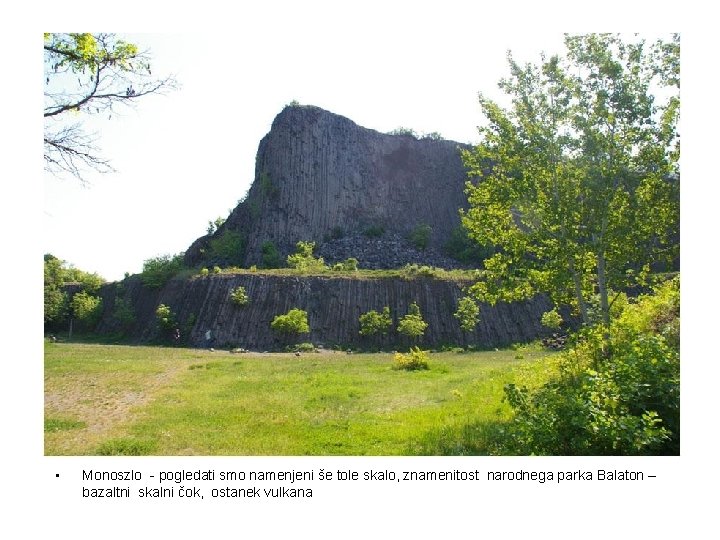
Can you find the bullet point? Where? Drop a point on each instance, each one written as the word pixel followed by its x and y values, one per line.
pixel 57 475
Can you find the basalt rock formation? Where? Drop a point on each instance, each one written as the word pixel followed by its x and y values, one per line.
pixel 354 191
pixel 333 303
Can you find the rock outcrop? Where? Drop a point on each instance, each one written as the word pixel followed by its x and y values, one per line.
pixel 320 177
pixel 334 305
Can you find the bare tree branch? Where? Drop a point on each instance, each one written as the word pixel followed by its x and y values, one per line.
pixel 90 74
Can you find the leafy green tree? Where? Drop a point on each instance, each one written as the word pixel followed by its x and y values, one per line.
pixel 412 325
pixel 582 195
pixel 293 322
pixel 86 308
pixel 467 313
pixel 57 276
pixel 157 271
pixel 372 322
pixel 303 259
pixel 89 74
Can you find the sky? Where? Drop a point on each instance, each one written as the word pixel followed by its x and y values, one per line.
pixel 187 157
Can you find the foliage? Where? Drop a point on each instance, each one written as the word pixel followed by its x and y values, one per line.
pixel 57 275
pixel 270 255
pixel 433 136
pixel 551 319
pixel 239 296
pixel 165 317
pixel 407 132
pixel 420 236
pixel 157 271
pixel 268 189
pixel 374 231
pixel 86 308
pixel 305 347
pixel 412 325
pixel 204 272
pixel 372 322
pixel 626 404
pixel 124 313
pixel 294 321
pixel 467 313
pixel 303 260
pixel 348 265
pixel 461 248
pixel 415 359
pixel 582 195
pixel 89 74
pixel 229 248
pixel 215 225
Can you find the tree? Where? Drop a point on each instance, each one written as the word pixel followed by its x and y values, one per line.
pixel 372 322
pixel 412 325
pixel 157 271
pixel 303 259
pixel 90 74
pixel 294 321
pixel 86 308
pixel 467 313
pixel 577 183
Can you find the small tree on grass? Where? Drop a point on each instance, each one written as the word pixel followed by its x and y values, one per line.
pixel 412 325
pixel 294 322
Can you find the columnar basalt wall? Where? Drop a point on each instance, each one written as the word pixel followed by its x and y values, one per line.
pixel 334 305
pixel 320 176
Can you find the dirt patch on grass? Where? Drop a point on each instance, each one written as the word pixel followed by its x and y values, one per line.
pixel 103 402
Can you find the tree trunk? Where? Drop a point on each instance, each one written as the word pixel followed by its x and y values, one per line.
pixel 578 292
pixel 602 289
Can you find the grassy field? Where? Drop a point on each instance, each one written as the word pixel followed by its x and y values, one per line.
pixel 123 400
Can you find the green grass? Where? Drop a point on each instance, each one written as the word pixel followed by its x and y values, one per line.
pixel 123 400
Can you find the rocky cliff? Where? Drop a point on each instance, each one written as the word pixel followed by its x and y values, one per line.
pixel 354 191
pixel 334 305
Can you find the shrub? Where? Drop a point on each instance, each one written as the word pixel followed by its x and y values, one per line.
pixel 239 296
pixel 270 255
pixel 165 317
pixel 303 347
pixel 407 132
pixel 294 321
pixel 551 319
pixel 157 271
pixel 348 265
pixel 467 313
pixel 303 260
pixel 627 403
pixel 412 325
pixel 204 272
pixel 374 231
pixel 86 308
pixel 415 359
pixel 372 322
pixel 420 236
pixel 216 269
pixel 124 313
pixel 229 248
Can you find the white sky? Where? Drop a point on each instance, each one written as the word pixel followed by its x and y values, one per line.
pixel 187 157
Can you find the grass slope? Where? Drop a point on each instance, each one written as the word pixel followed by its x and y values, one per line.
pixel 112 400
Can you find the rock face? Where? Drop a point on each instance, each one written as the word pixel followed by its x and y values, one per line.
pixel 334 305
pixel 321 177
